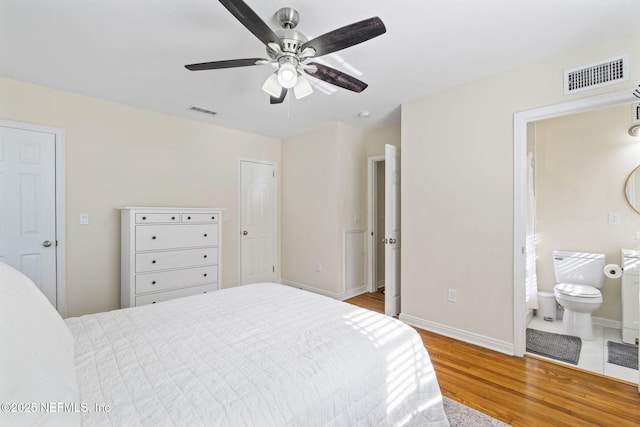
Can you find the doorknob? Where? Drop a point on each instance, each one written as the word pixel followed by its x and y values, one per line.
pixel 245 232
pixel 384 240
pixel 46 243
pixel 392 241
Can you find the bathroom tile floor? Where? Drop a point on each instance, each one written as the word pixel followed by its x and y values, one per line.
pixel 594 353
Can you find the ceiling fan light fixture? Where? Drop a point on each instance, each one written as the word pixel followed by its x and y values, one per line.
pixel 287 75
pixel 302 88
pixel 272 86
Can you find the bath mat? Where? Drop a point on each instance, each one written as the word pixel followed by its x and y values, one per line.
pixel 622 354
pixel 555 346
pixel 460 415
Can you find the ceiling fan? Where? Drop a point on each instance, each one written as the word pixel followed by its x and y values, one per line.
pixel 290 50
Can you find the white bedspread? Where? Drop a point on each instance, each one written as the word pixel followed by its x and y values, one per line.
pixel 255 355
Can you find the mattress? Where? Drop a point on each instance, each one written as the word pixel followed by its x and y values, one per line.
pixel 255 355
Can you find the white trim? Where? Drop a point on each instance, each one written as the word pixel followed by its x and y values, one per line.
pixel 276 212
pixel 607 323
pixel 520 121
pixel 61 287
pixel 343 296
pixel 345 232
pixel 458 334
pixel 371 225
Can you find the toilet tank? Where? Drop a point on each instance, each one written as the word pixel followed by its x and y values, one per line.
pixel 580 268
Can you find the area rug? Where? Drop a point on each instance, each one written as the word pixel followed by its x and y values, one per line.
pixel 622 354
pixel 555 346
pixel 460 415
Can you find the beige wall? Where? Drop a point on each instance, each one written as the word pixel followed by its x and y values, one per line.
pixel 323 187
pixel 583 161
pixel 122 156
pixel 458 193
pixel 377 138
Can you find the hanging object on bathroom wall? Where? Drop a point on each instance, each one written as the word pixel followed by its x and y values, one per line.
pixel 636 92
pixel 612 271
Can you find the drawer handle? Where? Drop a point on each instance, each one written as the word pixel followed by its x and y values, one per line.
pixel 205 256
pixel 213 217
pixel 153 262
pixel 205 274
pixel 153 302
pixel 153 283
pixel 172 218
pixel 153 237
pixel 205 234
pixel 188 217
pixel 144 218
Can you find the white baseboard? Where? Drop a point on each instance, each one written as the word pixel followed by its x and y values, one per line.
pixel 343 296
pixel 459 334
pixel 380 284
pixel 613 324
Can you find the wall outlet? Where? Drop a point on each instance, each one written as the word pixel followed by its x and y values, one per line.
pixel 84 218
pixel 451 297
pixel 318 267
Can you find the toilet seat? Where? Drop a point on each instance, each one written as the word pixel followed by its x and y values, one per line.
pixel 581 291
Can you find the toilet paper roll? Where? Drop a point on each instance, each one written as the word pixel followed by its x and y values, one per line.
pixel 612 271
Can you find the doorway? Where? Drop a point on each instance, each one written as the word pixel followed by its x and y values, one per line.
pixel 376 206
pixel 521 122
pixel 32 205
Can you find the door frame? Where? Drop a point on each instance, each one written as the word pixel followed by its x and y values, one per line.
pixel 61 288
pixel 372 198
pixel 276 210
pixel 520 122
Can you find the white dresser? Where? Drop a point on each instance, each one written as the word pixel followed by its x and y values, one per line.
pixel 630 295
pixel 169 253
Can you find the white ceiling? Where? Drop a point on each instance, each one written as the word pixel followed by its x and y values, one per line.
pixel 134 51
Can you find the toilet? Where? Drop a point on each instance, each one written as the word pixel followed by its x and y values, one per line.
pixel 579 277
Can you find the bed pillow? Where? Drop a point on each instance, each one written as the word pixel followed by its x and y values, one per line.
pixel 37 371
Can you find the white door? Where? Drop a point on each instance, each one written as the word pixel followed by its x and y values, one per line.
pixel 392 230
pixel 257 222
pixel 28 205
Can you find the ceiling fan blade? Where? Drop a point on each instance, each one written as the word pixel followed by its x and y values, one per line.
pixel 346 36
pixel 251 21
pixel 335 77
pixel 231 63
pixel 279 100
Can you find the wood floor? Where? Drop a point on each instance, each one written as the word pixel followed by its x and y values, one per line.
pixel 523 391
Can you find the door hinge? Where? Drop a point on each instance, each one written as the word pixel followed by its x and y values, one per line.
pixel 274 268
pixel 274 174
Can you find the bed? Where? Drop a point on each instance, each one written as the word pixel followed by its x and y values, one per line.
pixel 256 355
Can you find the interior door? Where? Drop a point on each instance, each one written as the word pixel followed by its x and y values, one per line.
pixel 257 222
pixel 392 230
pixel 28 205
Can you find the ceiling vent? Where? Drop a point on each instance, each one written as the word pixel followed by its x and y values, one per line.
pixel 591 76
pixel 202 110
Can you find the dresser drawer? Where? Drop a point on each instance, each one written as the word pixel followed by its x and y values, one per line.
pixel 152 261
pixel 199 217
pixel 153 237
pixel 148 218
pixel 178 293
pixel 164 280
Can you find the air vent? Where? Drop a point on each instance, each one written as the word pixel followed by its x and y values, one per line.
pixel 600 74
pixel 202 110
pixel 635 112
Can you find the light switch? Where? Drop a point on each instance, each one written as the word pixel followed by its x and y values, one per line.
pixel 614 218
pixel 84 218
